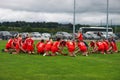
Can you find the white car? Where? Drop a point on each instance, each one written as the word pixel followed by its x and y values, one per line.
pixel 45 36
pixel 63 35
pixel 36 35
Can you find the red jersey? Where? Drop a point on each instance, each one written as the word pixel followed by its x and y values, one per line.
pixel 24 45
pixel 114 46
pixel 55 46
pixel 82 46
pixel 40 47
pixel 29 43
pixel 71 46
pixel 107 42
pixel 80 37
pixel 48 46
pixel 106 46
pixel 18 40
pixel 9 44
pixel 100 46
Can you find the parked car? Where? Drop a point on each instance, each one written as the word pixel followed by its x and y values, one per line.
pixel 45 36
pixel 63 35
pixel 114 36
pixel 94 36
pixel 13 33
pixel 87 36
pixel 35 34
pixel 118 35
pixel 103 35
pixel 5 35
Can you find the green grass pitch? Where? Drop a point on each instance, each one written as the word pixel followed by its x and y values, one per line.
pixel 36 67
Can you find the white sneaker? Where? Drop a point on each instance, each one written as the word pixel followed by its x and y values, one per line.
pixel 57 53
pixel 44 54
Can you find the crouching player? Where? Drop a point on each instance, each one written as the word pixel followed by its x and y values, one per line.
pixel 9 45
pixel 106 46
pixel 92 46
pixel 29 45
pixel 47 48
pixel 56 47
pixel 16 44
pixel 99 47
pixel 23 45
pixel 113 46
pixel 82 48
pixel 40 47
pixel 71 47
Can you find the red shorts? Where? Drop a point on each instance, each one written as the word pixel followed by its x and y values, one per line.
pixel 54 49
pixel 83 49
pixel 30 48
pixel 71 49
pixel 48 48
pixel 101 49
pixel 40 50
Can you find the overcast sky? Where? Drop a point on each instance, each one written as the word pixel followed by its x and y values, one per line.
pixel 87 11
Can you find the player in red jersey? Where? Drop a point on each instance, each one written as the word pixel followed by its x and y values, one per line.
pixel 56 47
pixel 48 46
pixel 40 47
pixel 23 45
pixel 99 47
pixel 16 44
pixel 29 45
pixel 17 47
pixel 71 47
pixel 80 36
pixel 92 45
pixel 82 48
pixel 113 45
pixel 8 45
pixel 106 45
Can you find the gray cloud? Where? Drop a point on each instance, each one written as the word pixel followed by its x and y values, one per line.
pixel 88 11
pixel 61 5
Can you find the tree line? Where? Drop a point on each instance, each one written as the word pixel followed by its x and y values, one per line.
pixel 50 27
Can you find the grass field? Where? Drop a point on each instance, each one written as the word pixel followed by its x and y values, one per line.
pixel 36 67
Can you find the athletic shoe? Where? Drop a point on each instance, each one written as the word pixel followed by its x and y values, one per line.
pixel 44 54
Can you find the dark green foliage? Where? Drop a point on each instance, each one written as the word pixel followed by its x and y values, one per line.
pixel 51 27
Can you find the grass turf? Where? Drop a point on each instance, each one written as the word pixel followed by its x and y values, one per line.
pixel 36 67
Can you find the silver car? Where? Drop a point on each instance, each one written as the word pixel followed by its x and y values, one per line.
pixel 63 35
pixel 4 35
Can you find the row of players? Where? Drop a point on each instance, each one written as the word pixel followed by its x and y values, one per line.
pixel 16 45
